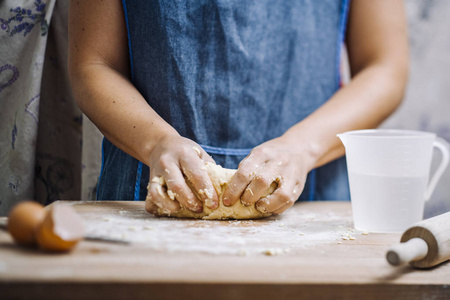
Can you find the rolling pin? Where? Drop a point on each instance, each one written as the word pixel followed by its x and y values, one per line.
pixel 424 245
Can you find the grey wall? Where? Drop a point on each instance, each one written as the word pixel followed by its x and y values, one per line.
pixel 427 102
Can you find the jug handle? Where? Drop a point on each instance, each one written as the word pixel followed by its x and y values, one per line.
pixel 442 145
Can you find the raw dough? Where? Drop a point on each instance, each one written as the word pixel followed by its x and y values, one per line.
pixel 220 178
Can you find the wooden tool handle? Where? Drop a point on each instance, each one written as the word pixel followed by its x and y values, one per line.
pixel 403 253
pixel 435 232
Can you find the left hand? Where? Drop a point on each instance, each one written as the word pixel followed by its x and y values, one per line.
pixel 279 160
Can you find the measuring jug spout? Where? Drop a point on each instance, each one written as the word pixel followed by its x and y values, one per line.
pixel 344 139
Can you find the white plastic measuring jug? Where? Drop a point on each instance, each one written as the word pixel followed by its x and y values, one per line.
pixel 388 175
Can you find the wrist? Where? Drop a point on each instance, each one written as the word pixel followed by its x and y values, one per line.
pixel 156 142
pixel 306 149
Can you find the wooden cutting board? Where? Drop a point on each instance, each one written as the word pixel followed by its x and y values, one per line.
pixel 311 251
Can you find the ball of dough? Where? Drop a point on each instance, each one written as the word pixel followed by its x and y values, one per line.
pixel 220 178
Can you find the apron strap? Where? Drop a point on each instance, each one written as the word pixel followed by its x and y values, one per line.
pixel 227 151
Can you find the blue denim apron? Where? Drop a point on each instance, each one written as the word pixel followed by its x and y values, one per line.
pixel 230 75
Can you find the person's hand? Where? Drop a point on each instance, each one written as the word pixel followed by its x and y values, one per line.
pixel 279 160
pixel 173 162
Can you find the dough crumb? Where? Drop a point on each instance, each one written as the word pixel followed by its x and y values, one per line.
pixel 208 202
pixel 197 150
pixel 275 251
pixel 158 179
pixel 160 190
pixel 347 236
pixel 209 193
pixel 261 209
pixel 171 195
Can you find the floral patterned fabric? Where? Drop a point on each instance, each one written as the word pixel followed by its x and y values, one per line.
pixel 23 38
pixel 24 19
pixel 41 127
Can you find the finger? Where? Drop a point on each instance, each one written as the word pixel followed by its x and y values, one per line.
pixel 208 158
pixel 295 195
pixel 235 188
pixel 178 189
pixel 269 204
pixel 240 180
pixel 285 194
pixel 150 206
pixel 204 155
pixel 283 208
pixel 238 184
pixel 196 174
pixel 157 194
pixel 259 187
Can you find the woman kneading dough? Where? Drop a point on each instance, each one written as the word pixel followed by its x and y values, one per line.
pixel 183 91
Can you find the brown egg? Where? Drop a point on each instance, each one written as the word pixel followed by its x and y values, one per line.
pixel 61 229
pixel 23 221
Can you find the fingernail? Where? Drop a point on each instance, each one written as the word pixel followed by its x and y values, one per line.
pixel 208 202
pixel 261 208
pixel 198 209
pixel 214 205
pixel 226 201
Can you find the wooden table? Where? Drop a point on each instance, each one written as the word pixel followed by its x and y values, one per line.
pixel 310 252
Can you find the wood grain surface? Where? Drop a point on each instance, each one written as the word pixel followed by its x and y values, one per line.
pixel 310 252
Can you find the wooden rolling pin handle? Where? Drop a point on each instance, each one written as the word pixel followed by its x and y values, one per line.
pixel 403 253
pixel 435 233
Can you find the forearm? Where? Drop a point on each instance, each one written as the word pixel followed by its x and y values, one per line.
pixel 371 96
pixel 117 108
pixel 377 46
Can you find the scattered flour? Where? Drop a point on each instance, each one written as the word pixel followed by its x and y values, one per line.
pixel 276 235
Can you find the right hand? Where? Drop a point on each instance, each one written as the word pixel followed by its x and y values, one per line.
pixel 172 162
